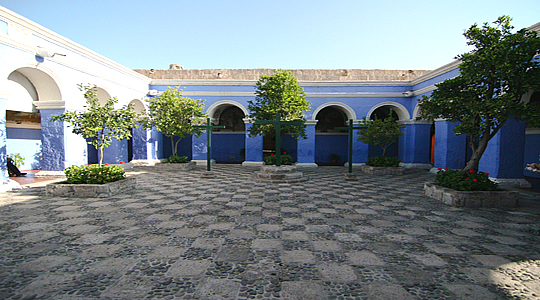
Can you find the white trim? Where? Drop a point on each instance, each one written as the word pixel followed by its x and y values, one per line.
pixel 24 125
pixel 351 114
pixel 219 82
pixel 306 165
pixel 50 104
pixel 437 72
pixel 402 111
pixel 252 163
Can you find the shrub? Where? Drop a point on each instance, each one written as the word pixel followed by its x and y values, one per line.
pixel 94 174
pixel 285 160
pixel 175 159
pixel 18 160
pixel 383 161
pixel 465 181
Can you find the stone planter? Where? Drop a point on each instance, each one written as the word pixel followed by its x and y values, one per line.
pixel 281 174
pixel 64 189
pixel 177 166
pixel 472 199
pixel 382 170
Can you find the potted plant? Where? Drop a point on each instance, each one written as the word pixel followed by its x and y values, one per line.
pixel 174 115
pixel 461 188
pixel 98 125
pixel 382 133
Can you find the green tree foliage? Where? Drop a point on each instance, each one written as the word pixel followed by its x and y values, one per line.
pixel 100 124
pixel 278 93
pixel 493 79
pixel 174 115
pixel 380 132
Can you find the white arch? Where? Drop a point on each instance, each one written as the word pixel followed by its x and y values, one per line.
pixel 351 115
pixel 138 106
pixel 399 109
pixel 46 83
pixel 214 107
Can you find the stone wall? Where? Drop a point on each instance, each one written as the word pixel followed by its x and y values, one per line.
pixel 300 74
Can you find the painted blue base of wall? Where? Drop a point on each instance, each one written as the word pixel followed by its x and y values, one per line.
pixel 228 147
pixel 331 144
pixel 184 147
pixel 532 153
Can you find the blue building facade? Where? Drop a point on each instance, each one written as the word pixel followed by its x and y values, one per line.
pixel 40 71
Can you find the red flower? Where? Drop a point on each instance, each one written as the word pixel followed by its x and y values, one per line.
pixel 486 173
pixel 121 162
pixel 468 178
pixel 446 169
pixel 439 169
pixel 472 171
pixel 106 164
pixel 284 152
pixel 475 180
pixel 399 160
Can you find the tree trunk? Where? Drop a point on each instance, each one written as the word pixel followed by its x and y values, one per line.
pixel 176 146
pixel 472 164
pixel 101 155
pixel 173 145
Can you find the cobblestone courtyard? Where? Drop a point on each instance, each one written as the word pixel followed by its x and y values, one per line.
pixel 178 236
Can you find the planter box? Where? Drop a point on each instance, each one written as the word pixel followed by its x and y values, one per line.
pixel 177 167
pixel 64 189
pixel 382 170
pixel 472 199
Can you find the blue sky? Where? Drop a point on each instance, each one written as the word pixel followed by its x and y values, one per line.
pixel 312 34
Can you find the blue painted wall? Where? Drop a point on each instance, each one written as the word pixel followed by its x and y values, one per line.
pixel 184 147
pixel 532 153
pixel 226 147
pixel 26 142
pixel 331 144
pixel 53 154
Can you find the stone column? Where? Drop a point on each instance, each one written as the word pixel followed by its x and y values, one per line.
pixel 254 147
pixel 503 158
pixel 306 147
pixel 414 145
pixel 450 149
pixel 4 177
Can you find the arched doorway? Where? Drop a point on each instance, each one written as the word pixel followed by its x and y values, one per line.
pixel 25 86
pixel 92 152
pixel 228 144
pixel 136 145
pixel 331 145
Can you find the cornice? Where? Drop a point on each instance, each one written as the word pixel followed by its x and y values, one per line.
pixel 309 95
pixel 51 104
pixel 180 82
pixel 437 72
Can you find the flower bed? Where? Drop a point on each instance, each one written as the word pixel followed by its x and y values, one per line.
pixel 65 189
pixel 472 199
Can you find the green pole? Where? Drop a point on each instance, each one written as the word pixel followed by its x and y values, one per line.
pixel 208 146
pixel 350 144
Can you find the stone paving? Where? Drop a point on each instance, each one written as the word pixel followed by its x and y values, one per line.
pixel 178 236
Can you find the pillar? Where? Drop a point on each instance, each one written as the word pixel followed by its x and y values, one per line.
pixel 306 147
pixel 360 150
pixel 254 147
pixel 450 149
pixel 504 155
pixel 52 141
pixel 199 150
pixel 415 144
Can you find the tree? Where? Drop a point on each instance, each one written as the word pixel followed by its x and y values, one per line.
pixel 279 93
pixel 493 79
pixel 380 132
pixel 174 115
pixel 100 124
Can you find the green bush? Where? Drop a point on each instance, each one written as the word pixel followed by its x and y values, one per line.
pixel 465 181
pixel 94 174
pixel 285 160
pixel 18 160
pixel 175 159
pixel 383 161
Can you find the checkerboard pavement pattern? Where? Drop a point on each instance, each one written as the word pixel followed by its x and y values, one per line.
pixel 178 236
